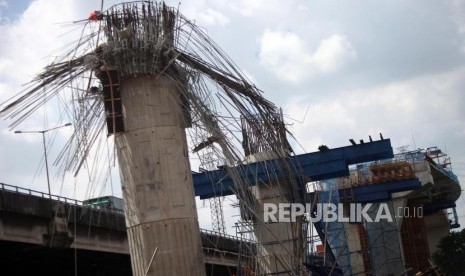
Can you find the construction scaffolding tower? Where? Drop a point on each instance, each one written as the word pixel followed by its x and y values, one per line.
pixel 384 243
pixel 335 235
pixel 209 162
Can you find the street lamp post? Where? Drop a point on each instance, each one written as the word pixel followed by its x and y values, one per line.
pixel 45 150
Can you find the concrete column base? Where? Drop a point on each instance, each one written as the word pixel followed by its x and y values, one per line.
pixel 177 248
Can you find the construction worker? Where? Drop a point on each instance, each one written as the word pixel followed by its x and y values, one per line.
pixel 95 16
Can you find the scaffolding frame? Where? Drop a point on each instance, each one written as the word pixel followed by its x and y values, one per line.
pixel 384 242
pixel 334 232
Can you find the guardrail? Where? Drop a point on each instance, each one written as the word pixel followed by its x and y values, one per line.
pixel 66 200
pixel 20 190
pixel 70 201
pixel 215 233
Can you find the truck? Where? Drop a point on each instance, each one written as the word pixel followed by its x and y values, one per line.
pixel 110 203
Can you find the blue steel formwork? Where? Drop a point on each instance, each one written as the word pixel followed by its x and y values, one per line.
pixel 335 234
pixel 321 165
pixel 383 238
pixel 316 166
pixel 385 244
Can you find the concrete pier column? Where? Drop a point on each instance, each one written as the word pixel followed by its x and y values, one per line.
pixel 280 246
pixel 156 178
pixel 279 242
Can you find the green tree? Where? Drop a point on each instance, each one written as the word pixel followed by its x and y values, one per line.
pixel 450 256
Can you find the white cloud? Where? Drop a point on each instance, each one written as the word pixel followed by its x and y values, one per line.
pixel 428 106
pixel 333 53
pixel 418 112
pixel 250 7
pixel 28 41
pixel 460 132
pixel 457 11
pixel 211 18
pixel 3 6
pixel 302 8
pixel 285 54
pixel 321 119
pixel 259 9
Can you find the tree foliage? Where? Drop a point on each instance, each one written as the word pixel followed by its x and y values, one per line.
pixel 450 256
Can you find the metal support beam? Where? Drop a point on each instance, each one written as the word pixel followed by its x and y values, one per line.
pixel 310 167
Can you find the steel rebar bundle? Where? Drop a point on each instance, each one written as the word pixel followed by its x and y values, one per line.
pixel 145 38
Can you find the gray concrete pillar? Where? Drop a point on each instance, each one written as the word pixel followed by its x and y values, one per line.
pixel 279 242
pixel 157 180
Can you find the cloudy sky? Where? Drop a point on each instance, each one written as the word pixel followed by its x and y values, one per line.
pixel 339 69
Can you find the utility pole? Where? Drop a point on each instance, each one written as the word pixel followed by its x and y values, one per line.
pixel 45 150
